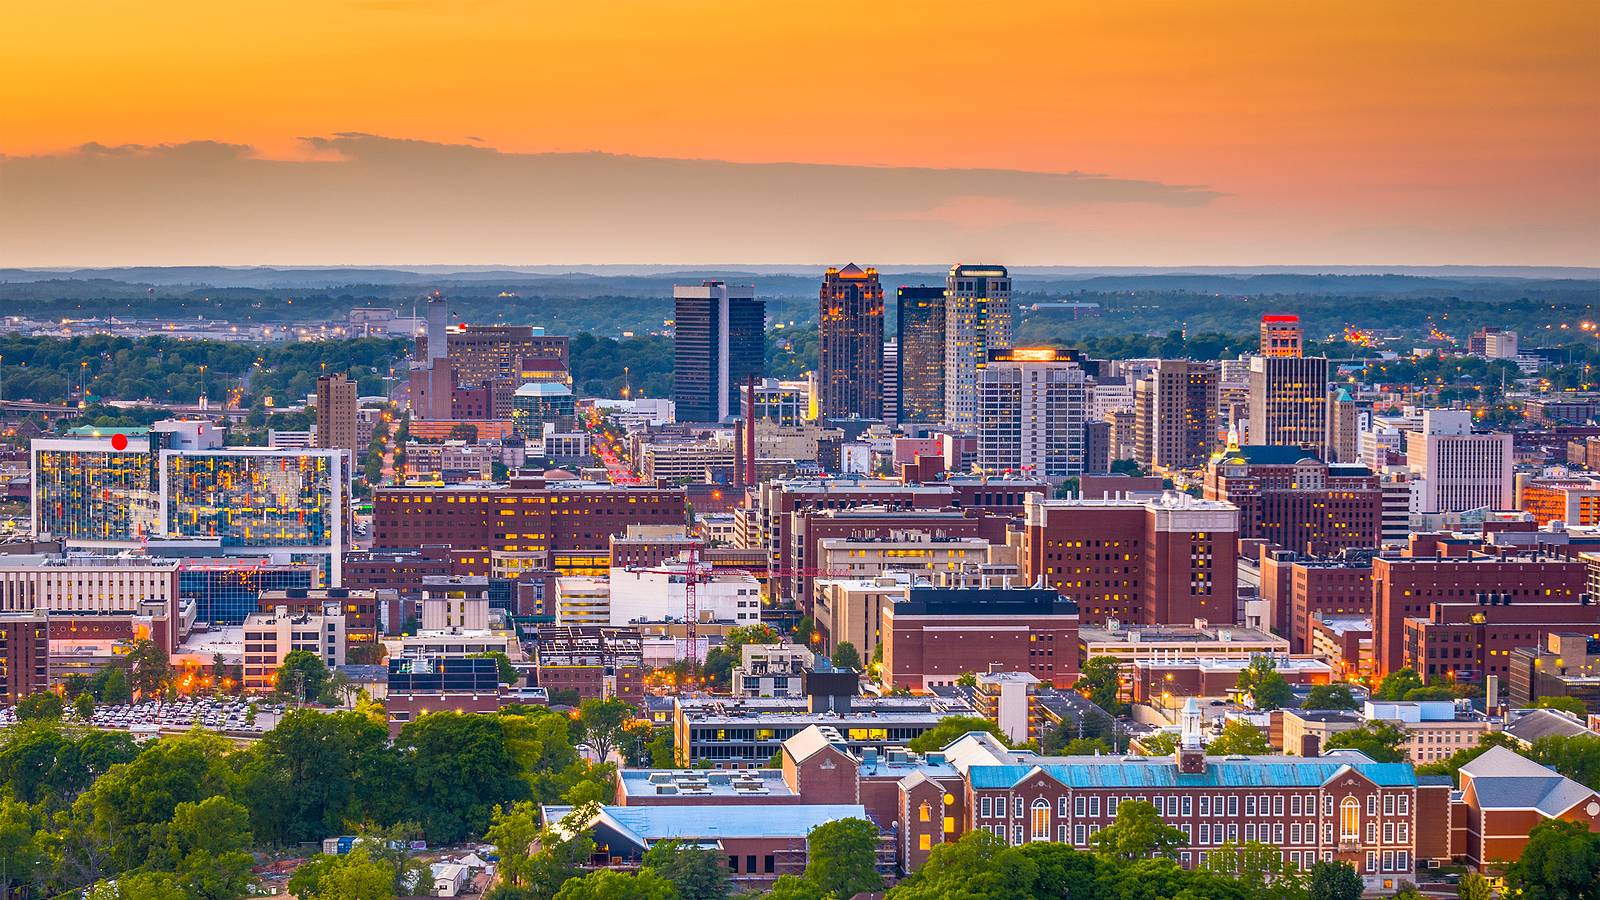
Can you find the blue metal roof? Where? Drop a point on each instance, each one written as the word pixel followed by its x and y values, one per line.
pixel 1157 773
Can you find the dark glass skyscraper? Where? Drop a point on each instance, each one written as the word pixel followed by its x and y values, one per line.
pixel 719 342
pixel 850 344
pixel 919 331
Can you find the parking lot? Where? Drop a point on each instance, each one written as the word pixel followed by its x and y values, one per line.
pixel 228 715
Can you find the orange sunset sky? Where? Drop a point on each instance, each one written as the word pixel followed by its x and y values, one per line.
pixel 1126 133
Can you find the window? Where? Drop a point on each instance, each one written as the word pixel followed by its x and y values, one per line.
pixel 985 808
pixel 1078 835
pixel 1249 831
pixel 1062 803
pixel 924 842
pixel 1111 806
pixel 1188 805
pixel 1327 834
pixel 1405 833
pixel 1094 806
pixel 1016 833
pixel 1388 804
pixel 1402 860
pixel 1277 805
pixel 1277 833
pixel 1388 832
pixel 1294 833
pixel 1250 805
pixel 1372 832
pixel 1205 831
pixel 1349 819
pixel 1205 805
pixel 769 864
pixel 1078 805
pixel 1388 860
pixel 923 813
pixel 1041 819
pixel 1233 805
pixel 1372 804
pixel 1405 804
pixel 1294 805
pixel 1327 805
pixel 1372 861
pixel 733 864
pixel 1017 807
pixel 1061 834
pixel 1233 831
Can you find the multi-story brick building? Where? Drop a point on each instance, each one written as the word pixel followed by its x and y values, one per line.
pixel 596 661
pixel 1504 796
pixel 24 655
pixel 1296 501
pixel 811 530
pixel 1170 558
pixel 360 608
pixel 1303 589
pixel 1461 601
pixel 939 634
pixel 530 516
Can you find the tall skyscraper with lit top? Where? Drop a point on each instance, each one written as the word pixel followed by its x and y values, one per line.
pixel 977 319
pixel 1030 412
pixel 850 344
pixel 1288 390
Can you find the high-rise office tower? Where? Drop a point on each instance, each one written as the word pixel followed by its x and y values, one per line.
pixel 977 319
pixel 336 413
pixel 891 382
pixel 919 333
pixel 1288 392
pixel 1344 428
pixel 1175 414
pixel 719 343
pixel 1455 469
pixel 1031 403
pixel 850 344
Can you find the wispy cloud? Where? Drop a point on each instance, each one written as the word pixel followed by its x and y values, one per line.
pixel 365 198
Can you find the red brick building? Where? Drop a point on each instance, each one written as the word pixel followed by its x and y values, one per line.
pixel 529 516
pixel 938 634
pixel 1504 796
pixel 24 655
pixel 1409 587
pixel 596 661
pixel 1147 561
pixel 1303 589
pixel 811 527
pixel 1296 501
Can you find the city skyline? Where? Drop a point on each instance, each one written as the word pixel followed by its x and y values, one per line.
pixel 1157 135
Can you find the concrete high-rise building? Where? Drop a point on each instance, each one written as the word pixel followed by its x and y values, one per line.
pixel 919 333
pixel 1282 336
pixel 850 344
pixel 336 414
pixel 891 382
pixel 1454 469
pixel 977 319
pixel 719 336
pixel 1344 428
pixel 1031 403
pixel 1175 414
pixel 1288 390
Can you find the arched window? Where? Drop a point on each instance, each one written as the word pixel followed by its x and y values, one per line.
pixel 1041 819
pixel 923 813
pixel 1350 819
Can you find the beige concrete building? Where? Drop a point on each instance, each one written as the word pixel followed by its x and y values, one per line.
pixel 851 609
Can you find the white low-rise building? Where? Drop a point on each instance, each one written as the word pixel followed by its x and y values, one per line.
pixel 656 595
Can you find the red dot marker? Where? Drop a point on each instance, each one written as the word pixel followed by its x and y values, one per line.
pixel 119 442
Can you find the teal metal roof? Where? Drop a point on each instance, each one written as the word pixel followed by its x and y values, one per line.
pixel 1261 771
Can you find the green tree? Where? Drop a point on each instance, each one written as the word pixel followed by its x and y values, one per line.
pixel 698 872
pixel 604 884
pixel 949 728
pixel 1258 867
pixel 1060 741
pixel 844 858
pixel 83 707
pixel 1160 743
pixel 141 886
pixel 114 688
pixel 1575 756
pixel 1333 881
pixel 316 771
pixel 1241 738
pixel 508 673
pixel 1431 692
pixel 1565 704
pixel 979 866
pixel 1378 740
pixel 461 768
pixel 1100 679
pixel 302 675
pixel 513 832
pixel 1331 696
pixel 1474 887
pixel 149 668
pixel 43 705
pixel 845 656
pixel 1261 682
pixel 1395 684
pixel 24 848
pixel 352 876
pixel 600 724
pixel 208 846
pixel 720 661
pixel 1138 833
pixel 562 853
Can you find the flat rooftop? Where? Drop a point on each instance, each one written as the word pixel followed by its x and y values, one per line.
pixel 704 783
